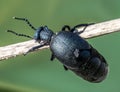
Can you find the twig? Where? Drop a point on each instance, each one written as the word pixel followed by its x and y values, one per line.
pixel 102 28
pixel 91 31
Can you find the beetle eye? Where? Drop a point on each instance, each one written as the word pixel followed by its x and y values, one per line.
pixel 36 36
pixel 37 33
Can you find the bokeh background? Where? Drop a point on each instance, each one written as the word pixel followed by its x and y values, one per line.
pixel 35 72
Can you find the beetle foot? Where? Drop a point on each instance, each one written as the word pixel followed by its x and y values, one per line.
pixel 52 57
pixel 65 68
pixel 28 51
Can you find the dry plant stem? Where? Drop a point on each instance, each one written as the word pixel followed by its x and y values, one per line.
pixel 100 29
pixel 17 49
pixel 91 31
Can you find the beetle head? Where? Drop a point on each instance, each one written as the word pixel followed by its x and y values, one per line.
pixel 43 34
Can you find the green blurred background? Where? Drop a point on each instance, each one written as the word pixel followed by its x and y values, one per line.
pixel 35 72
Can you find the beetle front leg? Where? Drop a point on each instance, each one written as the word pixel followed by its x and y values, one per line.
pixel 34 48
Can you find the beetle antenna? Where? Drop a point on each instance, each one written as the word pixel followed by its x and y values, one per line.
pixel 19 34
pixel 27 21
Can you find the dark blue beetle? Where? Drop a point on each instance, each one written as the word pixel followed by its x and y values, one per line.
pixel 71 50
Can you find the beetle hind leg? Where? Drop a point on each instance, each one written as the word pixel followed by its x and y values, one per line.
pixel 80 25
pixel 52 57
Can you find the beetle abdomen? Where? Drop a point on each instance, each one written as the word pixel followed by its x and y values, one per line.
pixel 80 57
pixel 94 70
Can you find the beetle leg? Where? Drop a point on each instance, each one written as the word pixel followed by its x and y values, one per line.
pixel 35 48
pixel 80 25
pixel 66 28
pixel 52 57
pixel 65 68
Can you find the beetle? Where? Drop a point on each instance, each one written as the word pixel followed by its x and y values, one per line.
pixel 74 52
